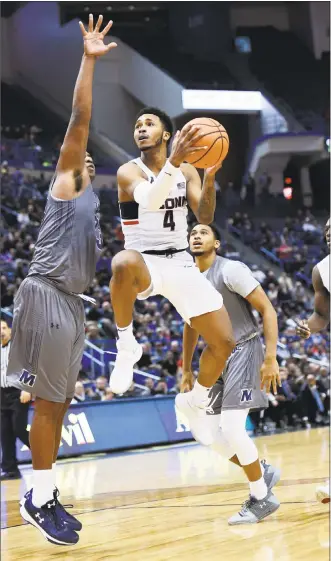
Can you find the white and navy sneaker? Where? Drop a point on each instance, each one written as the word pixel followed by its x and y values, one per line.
pixel 48 520
pixel 127 356
pixel 64 515
pixel 271 475
pixel 254 511
pixel 197 417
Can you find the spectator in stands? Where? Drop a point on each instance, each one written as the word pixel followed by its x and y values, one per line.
pixel 283 403
pixel 108 395
pixel 258 274
pixel 161 388
pixel 146 359
pixel 272 293
pixel 312 401
pixel 169 365
pixel 92 331
pixel 101 385
pixel 79 393
pixel 149 387
pixel 133 391
pixel 23 218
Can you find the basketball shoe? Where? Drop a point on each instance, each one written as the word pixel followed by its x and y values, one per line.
pixel 196 416
pixel 48 520
pixel 127 356
pixel 254 510
pixel 62 513
pixel 271 475
pixel 323 493
pixel 67 518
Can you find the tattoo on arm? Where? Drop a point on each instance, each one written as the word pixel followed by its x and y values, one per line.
pixel 207 203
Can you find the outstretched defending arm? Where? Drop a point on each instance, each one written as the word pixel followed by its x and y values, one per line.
pixel 71 174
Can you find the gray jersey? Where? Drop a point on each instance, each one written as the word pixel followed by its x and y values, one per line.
pixel 69 242
pixel 235 281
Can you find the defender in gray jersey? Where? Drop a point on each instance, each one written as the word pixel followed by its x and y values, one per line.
pixel 48 327
pixel 319 320
pixel 247 371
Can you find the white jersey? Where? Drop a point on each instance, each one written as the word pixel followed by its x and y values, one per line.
pixel 161 229
pixel 324 270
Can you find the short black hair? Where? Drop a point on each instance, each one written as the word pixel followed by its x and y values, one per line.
pixel 213 227
pixel 164 118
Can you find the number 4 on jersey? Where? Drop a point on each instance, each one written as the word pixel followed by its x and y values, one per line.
pixel 168 221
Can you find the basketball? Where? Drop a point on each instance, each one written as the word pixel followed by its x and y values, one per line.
pixel 215 138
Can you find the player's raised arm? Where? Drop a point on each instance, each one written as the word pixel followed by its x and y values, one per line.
pixel 73 150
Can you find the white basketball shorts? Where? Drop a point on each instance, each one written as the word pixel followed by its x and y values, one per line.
pixel 178 279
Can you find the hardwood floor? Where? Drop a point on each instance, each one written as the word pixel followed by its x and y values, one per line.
pixel 173 504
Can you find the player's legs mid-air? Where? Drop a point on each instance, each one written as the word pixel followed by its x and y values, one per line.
pixel 194 298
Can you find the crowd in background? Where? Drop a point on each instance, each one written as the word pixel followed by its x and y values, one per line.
pixel 295 244
pixel 304 397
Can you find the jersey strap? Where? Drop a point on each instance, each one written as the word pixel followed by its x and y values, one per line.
pixel 144 168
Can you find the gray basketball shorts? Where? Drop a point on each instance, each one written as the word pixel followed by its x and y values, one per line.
pixel 47 342
pixel 239 387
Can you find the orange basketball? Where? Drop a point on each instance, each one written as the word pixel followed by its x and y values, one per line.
pixel 215 138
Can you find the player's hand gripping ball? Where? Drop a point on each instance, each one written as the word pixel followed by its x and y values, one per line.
pixel 215 140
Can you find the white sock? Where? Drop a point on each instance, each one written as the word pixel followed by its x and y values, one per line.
pixel 199 394
pixel 42 487
pixel 258 489
pixel 54 474
pixel 125 334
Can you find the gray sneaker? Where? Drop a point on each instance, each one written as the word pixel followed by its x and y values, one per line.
pixel 254 511
pixel 271 475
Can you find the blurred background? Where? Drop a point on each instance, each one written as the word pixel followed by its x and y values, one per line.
pixel 260 68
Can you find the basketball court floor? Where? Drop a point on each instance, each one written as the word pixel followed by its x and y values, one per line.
pixel 173 504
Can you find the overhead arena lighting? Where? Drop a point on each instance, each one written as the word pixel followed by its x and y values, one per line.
pixel 222 100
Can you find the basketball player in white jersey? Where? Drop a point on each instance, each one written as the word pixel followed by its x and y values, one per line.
pixel 154 192
pixel 240 387
pixel 319 319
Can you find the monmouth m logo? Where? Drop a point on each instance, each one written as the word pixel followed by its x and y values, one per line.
pixel 27 378
pixel 246 395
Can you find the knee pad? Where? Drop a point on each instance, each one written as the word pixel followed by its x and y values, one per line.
pixel 233 424
pixel 220 443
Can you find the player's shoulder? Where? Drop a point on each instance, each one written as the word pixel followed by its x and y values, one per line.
pixel 235 265
pixel 324 262
pixel 127 169
pixel 316 273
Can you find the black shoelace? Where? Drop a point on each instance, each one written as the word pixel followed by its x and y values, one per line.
pixel 56 495
pixel 247 504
